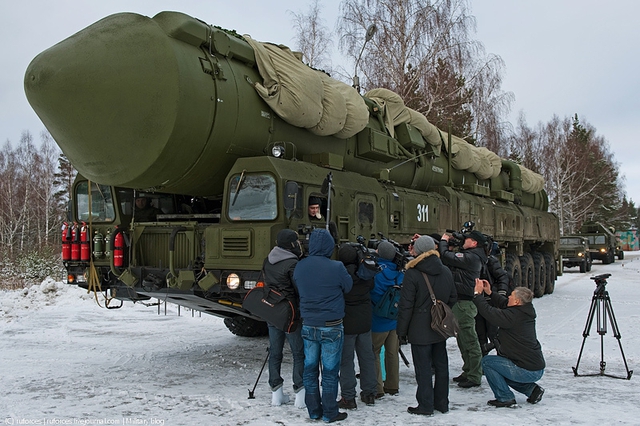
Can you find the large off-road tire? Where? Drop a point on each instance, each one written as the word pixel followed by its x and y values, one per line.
pixel 607 259
pixel 621 255
pixel 550 266
pixel 512 266
pixel 589 263
pixel 528 271
pixel 583 266
pixel 246 327
pixel 540 274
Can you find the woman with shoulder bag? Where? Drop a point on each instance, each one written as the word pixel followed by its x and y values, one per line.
pixel 414 325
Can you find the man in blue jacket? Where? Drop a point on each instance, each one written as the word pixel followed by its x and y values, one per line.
pixel 322 284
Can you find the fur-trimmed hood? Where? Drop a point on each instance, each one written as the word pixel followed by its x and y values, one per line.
pixel 421 257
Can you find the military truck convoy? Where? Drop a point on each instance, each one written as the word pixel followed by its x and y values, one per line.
pixel 228 138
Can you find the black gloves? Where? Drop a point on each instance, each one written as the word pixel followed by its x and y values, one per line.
pixel 403 340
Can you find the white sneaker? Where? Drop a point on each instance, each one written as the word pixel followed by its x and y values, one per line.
pixel 278 397
pixel 300 395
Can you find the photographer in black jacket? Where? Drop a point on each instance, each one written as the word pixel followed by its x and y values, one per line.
pixel 466 265
pixel 519 363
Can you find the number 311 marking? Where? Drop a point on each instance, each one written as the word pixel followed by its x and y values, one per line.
pixel 423 213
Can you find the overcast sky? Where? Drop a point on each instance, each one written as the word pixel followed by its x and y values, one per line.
pixel 562 56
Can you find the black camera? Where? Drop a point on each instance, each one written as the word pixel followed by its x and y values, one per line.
pixel 457 238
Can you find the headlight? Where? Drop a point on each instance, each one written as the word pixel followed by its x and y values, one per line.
pixel 277 151
pixel 233 281
pixel 603 250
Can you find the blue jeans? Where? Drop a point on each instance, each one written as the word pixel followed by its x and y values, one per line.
pixel 502 373
pixel 363 348
pixel 276 344
pixel 428 394
pixel 322 344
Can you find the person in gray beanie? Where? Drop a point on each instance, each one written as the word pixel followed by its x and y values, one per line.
pixel 428 348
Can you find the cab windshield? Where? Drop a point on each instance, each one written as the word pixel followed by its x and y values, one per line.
pixel 596 239
pixel 568 241
pixel 252 197
pixel 97 205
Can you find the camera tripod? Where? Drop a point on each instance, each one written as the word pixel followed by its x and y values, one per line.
pixel 601 306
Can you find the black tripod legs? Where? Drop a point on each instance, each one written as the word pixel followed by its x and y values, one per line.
pixel 601 307
pixel 251 391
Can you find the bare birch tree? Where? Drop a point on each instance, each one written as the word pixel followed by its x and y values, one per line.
pixel 313 38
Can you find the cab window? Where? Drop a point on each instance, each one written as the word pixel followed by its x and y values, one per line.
pixel 252 197
pixel 97 204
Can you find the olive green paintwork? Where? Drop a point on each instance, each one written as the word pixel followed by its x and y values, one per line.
pixel 167 104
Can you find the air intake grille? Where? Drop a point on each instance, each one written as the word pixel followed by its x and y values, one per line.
pixel 236 243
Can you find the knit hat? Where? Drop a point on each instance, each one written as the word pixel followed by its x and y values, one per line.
pixel 348 254
pixel 386 250
pixel 286 239
pixel 478 236
pixel 424 244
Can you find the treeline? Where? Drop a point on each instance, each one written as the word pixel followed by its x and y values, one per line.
pixel 34 187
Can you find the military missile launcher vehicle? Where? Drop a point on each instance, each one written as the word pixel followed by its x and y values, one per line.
pixel 224 139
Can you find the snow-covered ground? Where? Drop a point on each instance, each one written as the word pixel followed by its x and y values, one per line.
pixel 65 360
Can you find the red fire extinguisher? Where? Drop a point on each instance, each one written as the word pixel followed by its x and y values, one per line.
pixel 75 242
pixel 84 243
pixel 118 249
pixel 66 242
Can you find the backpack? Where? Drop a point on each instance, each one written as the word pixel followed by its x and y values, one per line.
pixel 387 306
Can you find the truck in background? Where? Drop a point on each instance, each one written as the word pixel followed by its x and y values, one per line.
pixel 604 245
pixel 574 250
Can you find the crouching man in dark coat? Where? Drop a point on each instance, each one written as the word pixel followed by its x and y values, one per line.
pixel 414 325
pixel 519 363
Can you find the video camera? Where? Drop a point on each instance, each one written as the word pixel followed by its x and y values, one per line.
pixel 402 256
pixel 458 238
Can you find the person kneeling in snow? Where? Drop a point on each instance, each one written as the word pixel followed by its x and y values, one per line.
pixel 519 363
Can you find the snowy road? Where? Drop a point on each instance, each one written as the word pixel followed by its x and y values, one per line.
pixel 67 361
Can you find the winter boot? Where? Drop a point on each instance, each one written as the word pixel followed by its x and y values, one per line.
pixel 278 397
pixel 300 395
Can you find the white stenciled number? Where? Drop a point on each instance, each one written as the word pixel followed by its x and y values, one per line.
pixel 423 213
